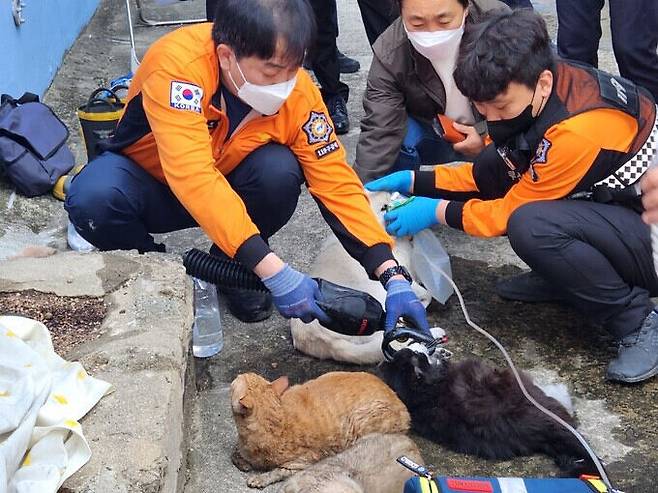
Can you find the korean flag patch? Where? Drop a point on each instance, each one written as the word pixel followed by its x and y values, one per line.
pixel 184 96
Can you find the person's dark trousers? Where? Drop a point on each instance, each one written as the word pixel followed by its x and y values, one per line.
pixel 324 55
pixel 519 4
pixel 598 254
pixel 211 7
pixel 634 26
pixel 377 15
pixel 116 205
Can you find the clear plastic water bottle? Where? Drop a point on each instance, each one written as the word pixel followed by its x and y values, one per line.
pixel 428 258
pixel 207 335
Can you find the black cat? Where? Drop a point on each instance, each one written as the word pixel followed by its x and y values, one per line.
pixel 472 408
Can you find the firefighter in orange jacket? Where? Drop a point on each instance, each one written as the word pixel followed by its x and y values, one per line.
pixel 220 131
pixel 560 130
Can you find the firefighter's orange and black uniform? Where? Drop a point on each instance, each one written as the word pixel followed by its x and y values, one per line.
pixel 177 162
pixel 593 140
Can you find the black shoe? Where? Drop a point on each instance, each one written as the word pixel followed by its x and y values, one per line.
pixel 637 357
pixel 347 65
pixel 338 113
pixel 528 287
pixel 246 305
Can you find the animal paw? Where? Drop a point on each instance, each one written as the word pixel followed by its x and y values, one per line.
pixel 259 480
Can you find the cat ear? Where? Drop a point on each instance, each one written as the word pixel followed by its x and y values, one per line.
pixel 245 405
pixel 240 401
pixel 280 385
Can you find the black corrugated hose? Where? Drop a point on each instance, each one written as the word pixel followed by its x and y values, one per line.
pixel 225 272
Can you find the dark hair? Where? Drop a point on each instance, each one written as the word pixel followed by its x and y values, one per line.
pixel 253 27
pixel 504 47
pixel 464 3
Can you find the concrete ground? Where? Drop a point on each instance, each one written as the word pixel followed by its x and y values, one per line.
pixel 549 340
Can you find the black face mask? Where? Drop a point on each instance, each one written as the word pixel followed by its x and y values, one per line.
pixel 502 131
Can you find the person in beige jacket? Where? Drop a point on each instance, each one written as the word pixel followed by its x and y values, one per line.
pixel 410 82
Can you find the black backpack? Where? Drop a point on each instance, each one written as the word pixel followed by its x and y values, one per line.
pixel 33 150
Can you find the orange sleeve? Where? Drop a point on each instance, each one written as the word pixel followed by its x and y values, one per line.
pixel 335 186
pixel 446 181
pixel 455 178
pixel 185 153
pixel 573 147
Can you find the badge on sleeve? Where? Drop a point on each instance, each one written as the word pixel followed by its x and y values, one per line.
pixel 542 152
pixel 185 96
pixel 317 128
pixel 323 151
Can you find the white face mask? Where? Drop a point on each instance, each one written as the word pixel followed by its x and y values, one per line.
pixel 437 45
pixel 268 99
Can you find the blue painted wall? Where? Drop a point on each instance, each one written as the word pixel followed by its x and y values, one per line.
pixel 31 53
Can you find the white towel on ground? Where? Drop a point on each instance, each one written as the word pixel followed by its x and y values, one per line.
pixel 42 398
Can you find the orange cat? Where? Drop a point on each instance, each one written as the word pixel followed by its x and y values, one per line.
pixel 287 429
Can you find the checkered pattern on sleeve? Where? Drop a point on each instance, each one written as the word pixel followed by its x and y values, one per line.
pixel 635 167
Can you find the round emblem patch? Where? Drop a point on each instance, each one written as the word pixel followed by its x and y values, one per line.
pixel 317 128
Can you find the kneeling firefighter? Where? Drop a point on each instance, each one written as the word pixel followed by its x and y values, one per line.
pixel 220 130
pixel 560 179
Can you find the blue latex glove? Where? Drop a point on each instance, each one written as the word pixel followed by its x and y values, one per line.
pixel 412 217
pixel 294 295
pixel 400 181
pixel 401 301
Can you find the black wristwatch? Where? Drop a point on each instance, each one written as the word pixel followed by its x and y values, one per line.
pixel 385 276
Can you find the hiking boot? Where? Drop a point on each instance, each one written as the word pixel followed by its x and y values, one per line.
pixel 338 113
pixel 246 305
pixel 637 356
pixel 347 65
pixel 528 287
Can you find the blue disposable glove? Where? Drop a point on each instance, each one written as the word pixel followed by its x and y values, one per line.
pixel 294 295
pixel 412 217
pixel 400 181
pixel 401 301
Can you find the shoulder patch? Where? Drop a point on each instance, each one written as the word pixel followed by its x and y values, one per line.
pixel 185 96
pixel 542 151
pixel 323 151
pixel 317 128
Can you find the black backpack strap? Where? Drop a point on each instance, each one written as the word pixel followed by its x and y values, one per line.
pixel 28 97
pixel 6 98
